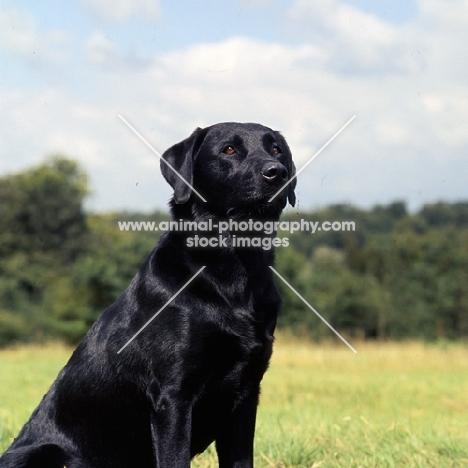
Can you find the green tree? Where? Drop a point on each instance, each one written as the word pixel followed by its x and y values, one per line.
pixel 43 230
pixel 41 211
pixel 98 276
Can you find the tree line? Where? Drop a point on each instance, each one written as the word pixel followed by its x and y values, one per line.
pixel 398 275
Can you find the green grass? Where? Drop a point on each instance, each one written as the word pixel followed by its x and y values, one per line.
pixel 390 405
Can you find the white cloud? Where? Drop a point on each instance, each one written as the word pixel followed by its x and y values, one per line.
pixel 404 82
pixel 355 42
pixel 102 53
pixel 442 27
pixel 122 10
pixel 20 37
pixel 256 4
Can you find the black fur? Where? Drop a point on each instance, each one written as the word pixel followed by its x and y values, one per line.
pixel 193 375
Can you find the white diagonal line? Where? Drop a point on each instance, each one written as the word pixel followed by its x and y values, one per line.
pixel 313 310
pixel 312 158
pixel 159 155
pixel 160 310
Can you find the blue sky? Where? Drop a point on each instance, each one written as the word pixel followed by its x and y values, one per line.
pixel 67 69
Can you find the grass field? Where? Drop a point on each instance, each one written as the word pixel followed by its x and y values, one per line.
pixel 390 405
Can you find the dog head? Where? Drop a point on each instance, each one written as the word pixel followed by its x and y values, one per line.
pixel 237 168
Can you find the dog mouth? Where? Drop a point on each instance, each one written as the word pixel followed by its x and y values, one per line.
pixel 255 200
pixel 260 207
pixel 272 196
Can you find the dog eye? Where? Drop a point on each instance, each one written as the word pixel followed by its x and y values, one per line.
pixel 229 150
pixel 276 151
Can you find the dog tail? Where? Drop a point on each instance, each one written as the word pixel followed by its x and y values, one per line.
pixel 39 456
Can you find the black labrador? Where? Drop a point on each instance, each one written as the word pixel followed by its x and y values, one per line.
pixel 192 376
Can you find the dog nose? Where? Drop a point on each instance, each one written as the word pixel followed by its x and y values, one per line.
pixel 274 172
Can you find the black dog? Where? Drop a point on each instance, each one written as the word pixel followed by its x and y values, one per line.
pixel 193 375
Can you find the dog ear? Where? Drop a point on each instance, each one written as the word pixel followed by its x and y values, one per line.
pixel 292 185
pixel 177 165
pixel 291 172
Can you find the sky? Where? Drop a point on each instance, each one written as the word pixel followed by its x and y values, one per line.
pixel 69 69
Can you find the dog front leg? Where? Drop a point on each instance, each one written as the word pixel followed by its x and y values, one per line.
pixel 235 443
pixel 170 420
